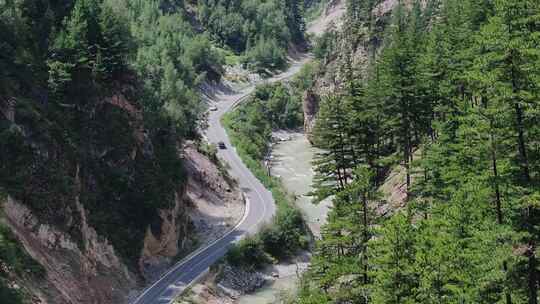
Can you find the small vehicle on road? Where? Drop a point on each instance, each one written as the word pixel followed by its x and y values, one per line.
pixel 213 108
pixel 221 145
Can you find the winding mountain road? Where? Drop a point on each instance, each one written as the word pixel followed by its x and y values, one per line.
pixel 260 207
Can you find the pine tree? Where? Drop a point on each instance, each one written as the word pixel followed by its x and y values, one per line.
pixel 115 41
pixel 333 166
pixel 394 279
pixel 399 72
pixel 295 19
pixel 343 253
pixel 363 193
pixel 511 68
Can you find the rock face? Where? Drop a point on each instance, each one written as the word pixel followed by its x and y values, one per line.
pixel 310 106
pixel 331 5
pixel 351 49
pixel 218 204
pixel 89 270
pixel 159 250
pixel 93 216
pixel 81 271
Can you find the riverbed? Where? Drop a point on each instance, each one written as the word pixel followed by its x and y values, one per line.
pixel 291 162
pixel 292 159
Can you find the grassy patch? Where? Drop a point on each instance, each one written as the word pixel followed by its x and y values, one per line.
pixel 231 59
pixel 12 253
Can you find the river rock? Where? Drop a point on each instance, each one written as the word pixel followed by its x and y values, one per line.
pixel 240 280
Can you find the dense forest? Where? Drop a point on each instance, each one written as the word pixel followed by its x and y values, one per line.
pixel 262 30
pixel 452 97
pixel 95 98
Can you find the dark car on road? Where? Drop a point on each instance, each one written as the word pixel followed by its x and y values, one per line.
pixel 221 145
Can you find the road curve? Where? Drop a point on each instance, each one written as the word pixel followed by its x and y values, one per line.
pixel 260 207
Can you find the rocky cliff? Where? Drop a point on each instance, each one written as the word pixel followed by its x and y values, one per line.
pixel 93 196
pixel 89 270
pixel 104 225
pixel 159 250
pixel 91 273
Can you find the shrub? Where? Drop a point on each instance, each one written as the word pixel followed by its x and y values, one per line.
pixel 267 54
pixel 324 45
pixel 8 295
pixel 287 234
pixel 248 253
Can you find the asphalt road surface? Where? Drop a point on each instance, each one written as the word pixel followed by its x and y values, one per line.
pixel 260 206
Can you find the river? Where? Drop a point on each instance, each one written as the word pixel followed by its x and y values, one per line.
pixel 291 161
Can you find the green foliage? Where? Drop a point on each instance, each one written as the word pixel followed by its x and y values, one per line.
pixel 102 94
pixel 314 9
pixel 287 234
pixel 305 78
pixel 248 253
pixel 9 295
pixel 272 107
pixel 91 48
pixel 395 284
pixel 260 29
pixel 324 45
pixel 266 54
pixel 457 82
pixel 173 60
pixel 12 254
pixel 284 238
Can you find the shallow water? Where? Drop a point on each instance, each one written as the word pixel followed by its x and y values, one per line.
pixel 271 293
pixel 292 163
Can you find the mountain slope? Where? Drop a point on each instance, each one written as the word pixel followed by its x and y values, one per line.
pixel 442 95
pixel 96 101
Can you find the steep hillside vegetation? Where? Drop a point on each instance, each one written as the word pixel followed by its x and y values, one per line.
pixel 262 29
pixel 96 100
pixel 94 105
pixel 449 90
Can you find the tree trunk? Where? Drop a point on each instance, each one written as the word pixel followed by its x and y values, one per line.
pixel 495 172
pixel 524 163
pixel 406 157
pixel 366 236
pixel 498 204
